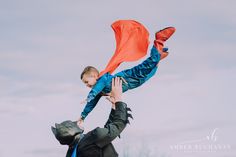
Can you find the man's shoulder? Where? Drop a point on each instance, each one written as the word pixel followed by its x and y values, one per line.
pixel 99 133
pixel 94 135
pixel 90 139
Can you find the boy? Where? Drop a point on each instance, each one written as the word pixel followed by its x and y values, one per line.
pixel 132 78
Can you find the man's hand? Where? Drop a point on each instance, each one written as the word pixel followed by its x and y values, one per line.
pixel 116 91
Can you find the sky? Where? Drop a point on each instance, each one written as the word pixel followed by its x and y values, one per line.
pixel 186 110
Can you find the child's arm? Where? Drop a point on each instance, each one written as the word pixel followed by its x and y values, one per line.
pixel 92 98
pixel 89 107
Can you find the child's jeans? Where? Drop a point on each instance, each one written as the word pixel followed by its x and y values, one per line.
pixel 139 74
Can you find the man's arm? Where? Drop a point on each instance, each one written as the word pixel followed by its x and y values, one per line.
pixel 118 117
pixel 115 125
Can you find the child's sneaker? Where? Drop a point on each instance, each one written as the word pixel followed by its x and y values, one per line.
pixel 159 46
pixel 161 49
pixel 164 34
pixel 161 36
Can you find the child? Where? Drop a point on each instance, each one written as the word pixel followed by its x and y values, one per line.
pixel 132 78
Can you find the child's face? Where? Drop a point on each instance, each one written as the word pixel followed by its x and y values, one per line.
pixel 90 80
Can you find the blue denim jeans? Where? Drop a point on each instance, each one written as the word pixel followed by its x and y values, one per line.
pixel 139 74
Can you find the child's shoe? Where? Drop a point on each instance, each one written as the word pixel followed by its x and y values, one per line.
pixel 161 49
pixel 161 36
pixel 164 34
pixel 159 46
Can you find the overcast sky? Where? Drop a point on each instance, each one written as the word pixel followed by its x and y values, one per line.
pixel 45 44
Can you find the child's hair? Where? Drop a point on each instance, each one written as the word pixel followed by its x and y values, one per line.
pixel 88 70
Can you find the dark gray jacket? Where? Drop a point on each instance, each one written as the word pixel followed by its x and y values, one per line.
pixel 97 143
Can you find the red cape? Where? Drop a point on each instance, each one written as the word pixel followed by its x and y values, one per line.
pixel 132 40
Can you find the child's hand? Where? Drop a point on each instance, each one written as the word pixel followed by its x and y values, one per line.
pixel 84 101
pixel 80 122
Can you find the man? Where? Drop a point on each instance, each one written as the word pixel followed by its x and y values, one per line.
pixel 96 143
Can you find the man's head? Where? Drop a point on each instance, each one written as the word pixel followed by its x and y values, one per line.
pixel 89 76
pixel 66 131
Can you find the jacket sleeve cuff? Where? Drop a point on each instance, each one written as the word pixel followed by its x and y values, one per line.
pixel 83 117
pixel 120 105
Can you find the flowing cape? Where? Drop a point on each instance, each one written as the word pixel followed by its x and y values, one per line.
pixel 132 40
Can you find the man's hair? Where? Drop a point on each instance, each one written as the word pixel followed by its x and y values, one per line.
pixel 88 70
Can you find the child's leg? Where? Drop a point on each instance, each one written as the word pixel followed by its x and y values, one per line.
pixel 142 72
pixel 152 73
pixel 145 68
pixel 139 74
